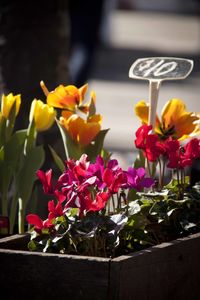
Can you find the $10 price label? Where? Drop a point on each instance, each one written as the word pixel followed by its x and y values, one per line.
pixel 161 68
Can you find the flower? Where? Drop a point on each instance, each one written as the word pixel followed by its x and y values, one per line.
pixel 42 114
pixel 82 131
pixel 38 223
pixel 136 179
pixel 149 143
pixel 7 103
pixel 67 97
pixel 175 120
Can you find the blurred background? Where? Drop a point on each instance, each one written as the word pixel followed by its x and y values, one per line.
pixel 73 42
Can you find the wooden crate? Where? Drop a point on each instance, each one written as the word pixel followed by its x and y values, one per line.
pixel 167 271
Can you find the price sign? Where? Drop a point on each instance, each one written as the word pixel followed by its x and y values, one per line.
pixel 161 68
pixel 155 70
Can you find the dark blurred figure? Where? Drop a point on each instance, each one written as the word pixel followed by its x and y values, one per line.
pixel 34 46
pixel 85 21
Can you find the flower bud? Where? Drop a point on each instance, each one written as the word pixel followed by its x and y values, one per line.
pixel 7 102
pixel 42 114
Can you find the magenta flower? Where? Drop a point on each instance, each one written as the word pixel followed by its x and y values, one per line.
pixel 114 180
pixel 38 223
pixel 136 179
pixel 46 179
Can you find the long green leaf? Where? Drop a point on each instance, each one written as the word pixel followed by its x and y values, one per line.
pixel 27 174
pixel 96 146
pixel 57 159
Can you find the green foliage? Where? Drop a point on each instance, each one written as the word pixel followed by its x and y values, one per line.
pixel 19 160
pixel 93 235
pixel 160 217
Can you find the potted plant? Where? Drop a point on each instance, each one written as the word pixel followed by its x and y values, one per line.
pixel 112 233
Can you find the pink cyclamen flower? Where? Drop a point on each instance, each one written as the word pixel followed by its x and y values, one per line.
pixel 38 223
pixel 136 179
pixel 46 179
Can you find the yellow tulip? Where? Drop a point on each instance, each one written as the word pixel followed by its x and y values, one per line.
pixel 7 103
pixel 42 114
pixel 66 97
pixel 82 131
pixel 175 120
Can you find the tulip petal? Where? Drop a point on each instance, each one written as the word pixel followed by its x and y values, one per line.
pixel 186 126
pixel 63 97
pixel 142 111
pixel 172 111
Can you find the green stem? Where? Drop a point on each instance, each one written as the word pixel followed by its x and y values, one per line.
pixel 5 203
pixel 163 172
pixel 13 212
pixel 21 214
pixel 149 168
pixel 113 203
pixel 31 137
pixel 160 173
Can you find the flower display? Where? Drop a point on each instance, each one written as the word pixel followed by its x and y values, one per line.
pixel 94 206
pixel 86 192
pixel 98 209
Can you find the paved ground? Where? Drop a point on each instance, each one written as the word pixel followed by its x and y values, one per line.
pixel 136 34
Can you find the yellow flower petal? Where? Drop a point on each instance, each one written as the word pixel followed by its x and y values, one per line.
pixel 82 91
pixel 142 111
pixel 172 111
pixel 185 126
pixel 43 115
pixel 7 103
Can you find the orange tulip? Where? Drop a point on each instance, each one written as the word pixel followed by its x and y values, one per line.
pixel 175 120
pixel 82 131
pixel 66 97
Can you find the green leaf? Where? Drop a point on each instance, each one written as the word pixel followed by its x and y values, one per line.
pixel 57 159
pixel 31 137
pixel 10 122
pixel 134 208
pixel 92 108
pixel 2 130
pixel 10 158
pixel 132 195
pixel 72 150
pixel 96 146
pixel 26 176
pixel 140 160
